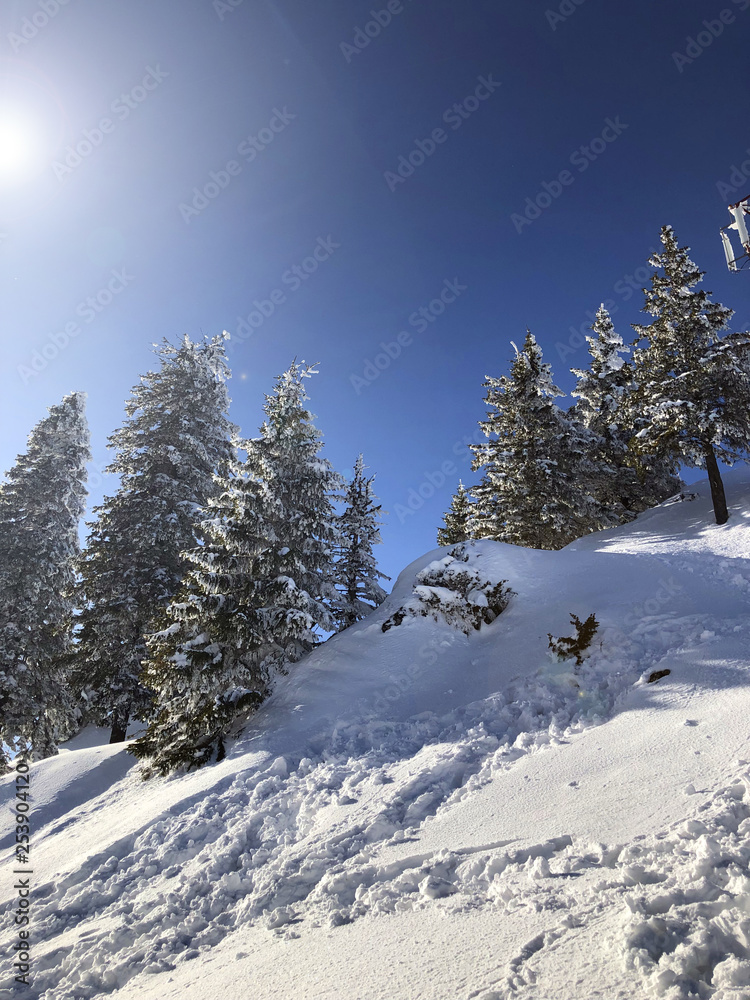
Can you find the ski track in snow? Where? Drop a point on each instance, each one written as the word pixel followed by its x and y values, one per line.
pixel 299 844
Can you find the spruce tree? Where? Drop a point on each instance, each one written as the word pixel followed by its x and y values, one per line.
pixel 175 436
pixel 41 503
pixel 209 663
pixel 297 490
pixel 691 404
pixel 457 521
pixel 601 387
pixel 602 391
pixel 258 593
pixel 538 470
pixel 356 567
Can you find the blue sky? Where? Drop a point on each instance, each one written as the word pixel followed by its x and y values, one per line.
pixel 198 164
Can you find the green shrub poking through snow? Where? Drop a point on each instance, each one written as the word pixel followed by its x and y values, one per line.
pixel 575 646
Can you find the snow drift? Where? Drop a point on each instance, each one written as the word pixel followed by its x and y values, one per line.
pixel 432 812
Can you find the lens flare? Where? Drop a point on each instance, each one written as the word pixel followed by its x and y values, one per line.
pixel 18 148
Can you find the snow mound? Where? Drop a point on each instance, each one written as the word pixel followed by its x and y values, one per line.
pixel 432 811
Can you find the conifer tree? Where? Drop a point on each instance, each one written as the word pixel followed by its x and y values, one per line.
pixel 297 487
pixel 175 436
pixel 537 485
pixel 356 567
pixel 258 591
pixel 691 403
pixel 41 503
pixel 457 521
pixel 602 391
pixel 602 386
pixel 209 663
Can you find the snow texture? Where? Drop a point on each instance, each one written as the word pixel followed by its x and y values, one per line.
pixel 425 814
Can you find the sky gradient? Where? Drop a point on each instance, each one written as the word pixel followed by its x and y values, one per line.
pixel 321 181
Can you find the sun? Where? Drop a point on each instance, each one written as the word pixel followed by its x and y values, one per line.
pixel 18 147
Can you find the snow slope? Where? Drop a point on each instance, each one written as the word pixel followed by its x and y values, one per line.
pixel 423 814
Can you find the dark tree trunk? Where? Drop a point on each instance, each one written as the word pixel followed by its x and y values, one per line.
pixel 119 727
pixel 717 487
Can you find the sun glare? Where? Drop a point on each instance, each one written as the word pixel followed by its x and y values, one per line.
pixel 18 148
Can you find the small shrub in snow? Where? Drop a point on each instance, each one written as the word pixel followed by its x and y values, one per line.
pixel 657 675
pixel 395 620
pixel 575 646
pixel 452 591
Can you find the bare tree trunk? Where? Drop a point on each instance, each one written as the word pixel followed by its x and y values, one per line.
pixel 717 487
pixel 119 726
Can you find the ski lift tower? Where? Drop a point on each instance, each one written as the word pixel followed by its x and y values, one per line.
pixel 740 213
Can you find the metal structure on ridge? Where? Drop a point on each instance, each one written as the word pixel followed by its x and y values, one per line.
pixel 740 213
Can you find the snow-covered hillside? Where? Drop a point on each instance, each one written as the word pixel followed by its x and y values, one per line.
pixel 419 813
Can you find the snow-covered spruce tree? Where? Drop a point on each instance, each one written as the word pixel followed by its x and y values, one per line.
pixel 603 390
pixel 175 436
pixel 257 592
pixel 41 504
pixel 297 490
pixel 357 571
pixel 457 520
pixel 537 488
pixel 210 662
pixel 691 403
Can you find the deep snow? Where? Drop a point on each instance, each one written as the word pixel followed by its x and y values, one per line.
pixel 424 814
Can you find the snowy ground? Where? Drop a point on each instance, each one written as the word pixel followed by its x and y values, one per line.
pixel 422 814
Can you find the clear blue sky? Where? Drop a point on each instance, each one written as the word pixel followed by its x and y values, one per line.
pixel 133 105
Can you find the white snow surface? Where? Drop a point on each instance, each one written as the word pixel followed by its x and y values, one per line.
pixel 424 815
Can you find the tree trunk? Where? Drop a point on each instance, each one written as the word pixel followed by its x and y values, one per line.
pixel 717 487
pixel 119 727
